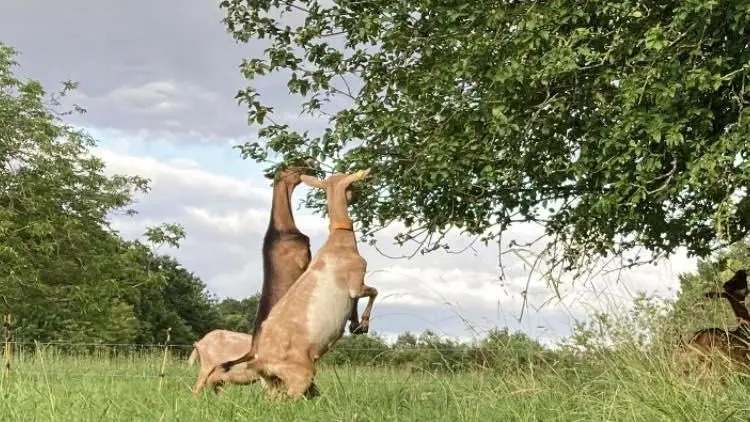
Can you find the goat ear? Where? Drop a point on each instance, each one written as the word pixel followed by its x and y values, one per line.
pixel 312 181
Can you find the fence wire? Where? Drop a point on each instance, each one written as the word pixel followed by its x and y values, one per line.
pixel 169 362
pixel 390 348
pixel 112 345
pixel 95 375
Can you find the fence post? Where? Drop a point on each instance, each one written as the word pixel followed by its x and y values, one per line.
pixel 7 344
pixel 164 360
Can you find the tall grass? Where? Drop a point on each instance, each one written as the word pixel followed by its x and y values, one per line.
pixel 611 369
pixel 625 385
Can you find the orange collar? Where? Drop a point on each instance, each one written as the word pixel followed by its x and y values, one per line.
pixel 340 226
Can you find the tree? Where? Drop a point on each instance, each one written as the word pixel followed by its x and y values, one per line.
pixel 405 340
pixel 615 124
pixel 178 301
pixel 239 315
pixel 507 352
pixel 366 350
pixel 61 264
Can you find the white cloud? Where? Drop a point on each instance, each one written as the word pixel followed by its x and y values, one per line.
pixel 253 221
pixel 183 179
pixel 430 286
pixel 157 97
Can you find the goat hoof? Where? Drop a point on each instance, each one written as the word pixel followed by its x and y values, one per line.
pixel 312 392
pixel 362 328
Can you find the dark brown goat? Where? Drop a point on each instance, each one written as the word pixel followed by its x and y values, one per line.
pixel 737 285
pixel 286 250
pixel 733 344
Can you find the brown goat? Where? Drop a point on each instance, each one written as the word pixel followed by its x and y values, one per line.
pixel 216 347
pixel 286 250
pixel 733 344
pixel 310 318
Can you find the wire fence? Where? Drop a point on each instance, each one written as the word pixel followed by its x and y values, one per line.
pixel 111 345
pixel 170 361
pixel 394 348
pixel 66 374
pixel 161 361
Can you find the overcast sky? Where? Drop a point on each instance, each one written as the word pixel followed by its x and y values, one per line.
pixel 159 78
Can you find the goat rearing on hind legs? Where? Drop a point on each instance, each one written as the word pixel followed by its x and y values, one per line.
pixel 311 316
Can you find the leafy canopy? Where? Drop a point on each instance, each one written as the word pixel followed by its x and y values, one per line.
pixel 615 124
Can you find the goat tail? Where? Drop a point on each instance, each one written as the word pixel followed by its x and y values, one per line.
pixel 247 357
pixel 228 365
pixel 193 355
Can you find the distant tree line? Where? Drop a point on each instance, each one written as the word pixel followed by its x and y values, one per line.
pixel 499 350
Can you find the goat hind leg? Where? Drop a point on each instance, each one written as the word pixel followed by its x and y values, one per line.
pixel 202 378
pixel 354 318
pixel 313 391
pixel 298 380
pixel 271 387
pixel 371 293
pixel 218 388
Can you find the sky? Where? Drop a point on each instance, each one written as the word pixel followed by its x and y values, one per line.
pixel 158 80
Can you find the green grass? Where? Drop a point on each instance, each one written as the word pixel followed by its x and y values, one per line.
pixel 54 387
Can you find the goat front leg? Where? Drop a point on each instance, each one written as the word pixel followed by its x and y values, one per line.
pixel 371 293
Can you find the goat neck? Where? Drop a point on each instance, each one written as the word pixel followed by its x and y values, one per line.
pixel 286 250
pixel 282 219
pixel 341 227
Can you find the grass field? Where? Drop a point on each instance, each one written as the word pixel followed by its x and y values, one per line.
pixel 51 387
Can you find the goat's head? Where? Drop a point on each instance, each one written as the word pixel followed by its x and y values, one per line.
pixel 337 185
pixel 291 173
pixel 737 285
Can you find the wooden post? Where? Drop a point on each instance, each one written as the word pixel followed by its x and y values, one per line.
pixel 164 360
pixel 7 344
